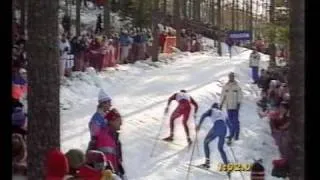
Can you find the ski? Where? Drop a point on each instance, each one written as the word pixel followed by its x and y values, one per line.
pixel 210 170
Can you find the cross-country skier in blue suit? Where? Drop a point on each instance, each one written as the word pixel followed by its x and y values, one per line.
pixel 219 130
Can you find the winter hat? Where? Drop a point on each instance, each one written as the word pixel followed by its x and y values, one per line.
pixel 96 159
pixel 103 97
pixel 57 164
pixel 94 156
pixel 76 158
pixel 18 117
pixel 113 115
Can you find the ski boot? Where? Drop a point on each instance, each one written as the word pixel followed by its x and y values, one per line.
pixel 169 139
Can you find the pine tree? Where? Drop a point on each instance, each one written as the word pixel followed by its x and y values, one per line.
pixel 155 30
pixel 44 84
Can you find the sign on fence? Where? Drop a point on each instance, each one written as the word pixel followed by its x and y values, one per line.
pixel 240 35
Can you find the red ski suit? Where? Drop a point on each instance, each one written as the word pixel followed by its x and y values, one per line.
pixel 183 109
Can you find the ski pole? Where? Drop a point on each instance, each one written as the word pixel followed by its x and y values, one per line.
pixel 157 137
pixel 235 159
pixel 196 140
pixel 189 167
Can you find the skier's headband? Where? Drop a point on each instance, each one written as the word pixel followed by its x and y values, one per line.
pixel 184 91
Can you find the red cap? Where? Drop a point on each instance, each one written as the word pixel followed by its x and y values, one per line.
pixel 112 115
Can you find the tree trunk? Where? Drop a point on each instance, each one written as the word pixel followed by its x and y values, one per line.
pixel 219 27
pixel 177 21
pixel 237 15
pixel 272 61
pixel 296 84
pixel 106 19
pixel 184 9
pixel 244 15
pixel 222 25
pixel 251 18
pixel 165 6
pixel 233 15
pixel 78 6
pixel 190 15
pixel 23 14
pixel 67 8
pixel 155 31
pixel 213 14
pixel 44 84
pixel 194 11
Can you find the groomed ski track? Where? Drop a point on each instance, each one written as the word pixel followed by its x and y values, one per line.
pixel 140 92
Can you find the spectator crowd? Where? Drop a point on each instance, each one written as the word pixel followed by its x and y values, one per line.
pixel 103 158
pixel 274 105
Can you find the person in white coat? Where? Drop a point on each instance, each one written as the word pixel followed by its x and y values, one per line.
pixel 64 47
pixel 254 62
pixel 231 96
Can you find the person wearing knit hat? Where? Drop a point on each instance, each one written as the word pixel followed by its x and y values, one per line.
pixel 97 122
pixel 95 167
pixel 96 159
pixel 56 165
pixel 76 159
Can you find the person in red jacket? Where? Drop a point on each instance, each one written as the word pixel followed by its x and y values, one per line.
pixel 57 165
pixel 183 109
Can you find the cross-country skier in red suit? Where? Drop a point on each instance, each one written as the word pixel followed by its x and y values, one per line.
pixel 183 109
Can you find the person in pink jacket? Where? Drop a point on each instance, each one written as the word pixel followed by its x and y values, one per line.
pixel 108 142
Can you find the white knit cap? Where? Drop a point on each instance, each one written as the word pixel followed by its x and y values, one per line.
pixel 103 96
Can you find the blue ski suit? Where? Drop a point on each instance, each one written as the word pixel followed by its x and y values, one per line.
pixel 219 130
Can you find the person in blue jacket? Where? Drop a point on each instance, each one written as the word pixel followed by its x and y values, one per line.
pixel 219 130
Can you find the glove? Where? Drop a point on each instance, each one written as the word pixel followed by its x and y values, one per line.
pixel 220 107
pixel 197 128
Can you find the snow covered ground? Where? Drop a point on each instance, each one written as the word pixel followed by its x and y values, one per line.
pixel 140 92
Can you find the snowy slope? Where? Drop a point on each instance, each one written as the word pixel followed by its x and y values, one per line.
pixel 140 92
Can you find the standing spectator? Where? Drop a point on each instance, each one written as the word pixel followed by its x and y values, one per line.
pixel 125 43
pixel 64 47
pixel 230 43
pixel 254 65
pixel 66 23
pixel 111 146
pixel 231 96
pixel 162 40
pixel 98 25
pixel 97 122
